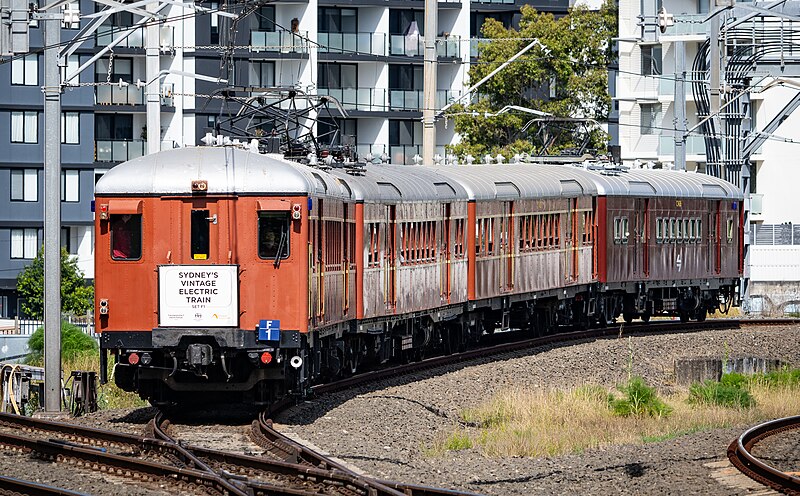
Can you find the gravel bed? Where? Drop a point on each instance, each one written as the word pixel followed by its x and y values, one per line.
pixel 781 451
pixel 383 430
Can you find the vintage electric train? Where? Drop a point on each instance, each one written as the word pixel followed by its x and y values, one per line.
pixel 226 274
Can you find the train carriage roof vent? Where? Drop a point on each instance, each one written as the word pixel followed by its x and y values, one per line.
pixel 320 182
pixel 345 186
pixel 641 188
pixel 444 190
pixel 389 191
pixel 571 187
pixel 714 191
pixel 506 190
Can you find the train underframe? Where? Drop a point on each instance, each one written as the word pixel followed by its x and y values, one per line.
pixel 203 367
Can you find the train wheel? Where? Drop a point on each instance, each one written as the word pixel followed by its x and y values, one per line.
pixel 646 317
pixel 701 314
pixel 684 317
pixel 628 317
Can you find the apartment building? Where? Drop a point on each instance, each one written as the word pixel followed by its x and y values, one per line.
pixel 757 50
pixel 368 54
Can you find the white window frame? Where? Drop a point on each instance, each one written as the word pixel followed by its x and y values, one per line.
pixel 73 63
pixel 25 70
pixel 27 185
pixel 70 128
pixel 24 243
pixel 24 126
pixel 70 185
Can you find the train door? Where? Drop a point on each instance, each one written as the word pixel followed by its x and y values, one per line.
pixel 506 247
pixel 573 238
pixel 348 235
pixel 203 241
pixel 321 261
pixel 645 231
pixel 445 249
pixel 717 237
pixel 390 274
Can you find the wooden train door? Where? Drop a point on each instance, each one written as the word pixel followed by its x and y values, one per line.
pixel 321 261
pixel 717 237
pixel 574 239
pixel 390 274
pixel 645 230
pixel 445 248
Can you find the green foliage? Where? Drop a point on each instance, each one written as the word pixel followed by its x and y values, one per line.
pixel 76 296
pixel 458 441
pixel 734 379
pixel 639 400
pixel 782 378
pixel 578 51
pixel 732 394
pixel 595 394
pixel 74 343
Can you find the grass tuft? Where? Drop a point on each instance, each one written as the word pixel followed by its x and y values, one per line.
pixel 727 393
pixel 639 400
pixel 458 440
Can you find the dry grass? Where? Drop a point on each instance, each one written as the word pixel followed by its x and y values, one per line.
pixel 109 395
pixel 537 424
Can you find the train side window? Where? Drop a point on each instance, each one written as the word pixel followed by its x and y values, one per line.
pixel 700 229
pixel 126 236
pixel 625 231
pixel 686 230
pixel 730 230
pixel 672 230
pixel 617 229
pixel 659 229
pixel 273 235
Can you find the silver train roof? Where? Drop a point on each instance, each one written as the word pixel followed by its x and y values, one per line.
pixel 235 170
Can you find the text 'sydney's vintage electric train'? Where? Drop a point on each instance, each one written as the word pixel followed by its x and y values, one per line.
pixel 233 274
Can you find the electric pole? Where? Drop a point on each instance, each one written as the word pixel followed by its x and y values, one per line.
pixel 429 88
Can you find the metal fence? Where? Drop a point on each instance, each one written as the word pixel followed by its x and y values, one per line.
pixel 775 234
pixel 26 327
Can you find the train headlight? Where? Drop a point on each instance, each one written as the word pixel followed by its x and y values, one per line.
pixel 266 357
pixel 146 358
pixel 296 211
pixel 104 306
pixel 296 362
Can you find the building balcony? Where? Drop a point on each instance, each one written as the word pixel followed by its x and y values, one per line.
pixel 688 25
pixel 136 39
pixel 279 41
pixel 116 95
pixel 412 46
pixel 695 145
pixel 414 100
pixel 118 150
pixel 365 99
pixel 355 43
pixel 404 154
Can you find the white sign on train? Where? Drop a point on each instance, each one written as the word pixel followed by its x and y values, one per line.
pixel 198 296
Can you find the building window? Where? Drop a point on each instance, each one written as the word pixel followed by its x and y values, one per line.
pixel 400 20
pixel 406 77
pixel 70 123
pixel 73 63
pixel 266 18
pixel 650 115
pixel 25 70
pixel 121 69
pixel 405 132
pixel 70 190
pixel 24 185
pixel 262 74
pixel 336 20
pixel 338 76
pixel 337 132
pixel 113 126
pixel 24 127
pixel 651 60
pixel 214 22
pixel 24 243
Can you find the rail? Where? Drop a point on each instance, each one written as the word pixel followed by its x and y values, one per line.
pixel 740 456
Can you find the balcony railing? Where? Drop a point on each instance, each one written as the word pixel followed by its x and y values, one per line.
pixel 106 34
pixel 414 100
pixel 695 145
pixel 505 2
pixel 118 150
pixel 116 95
pixel 411 46
pixel 688 24
pixel 366 99
pixel 361 43
pixel 404 154
pixel 279 41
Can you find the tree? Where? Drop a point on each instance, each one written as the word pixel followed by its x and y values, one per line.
pixel 76 296
pixel 567 79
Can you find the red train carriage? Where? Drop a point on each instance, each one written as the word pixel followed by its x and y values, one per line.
pixel 237 275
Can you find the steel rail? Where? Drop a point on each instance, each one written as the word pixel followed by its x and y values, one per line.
pixel 12 486
pixel 741 457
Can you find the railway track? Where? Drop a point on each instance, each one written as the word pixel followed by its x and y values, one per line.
pixel 740 455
